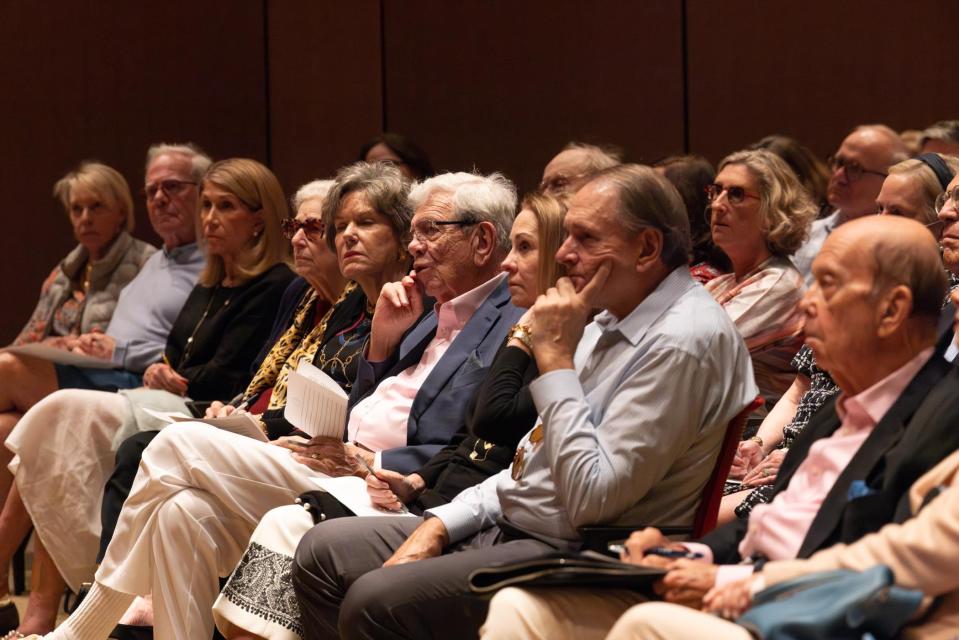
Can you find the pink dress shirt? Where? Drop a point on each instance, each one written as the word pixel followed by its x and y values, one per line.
pixel 379 420
pixel 777 530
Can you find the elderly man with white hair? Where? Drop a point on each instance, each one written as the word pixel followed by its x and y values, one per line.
pixel 201 491
pixel 630 424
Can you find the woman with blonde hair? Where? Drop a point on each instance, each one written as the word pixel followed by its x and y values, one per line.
pixel 81 292
pixel 912 186
pixel 759 215
pixel 59 474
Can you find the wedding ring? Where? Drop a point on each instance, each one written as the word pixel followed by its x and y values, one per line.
pixel 766 472
pixel 315 456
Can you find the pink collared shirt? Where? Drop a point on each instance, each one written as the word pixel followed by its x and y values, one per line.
pixel 379 420
pixel 777 530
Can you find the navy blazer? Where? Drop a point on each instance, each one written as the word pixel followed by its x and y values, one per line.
pixel 892 457
pixel 439 409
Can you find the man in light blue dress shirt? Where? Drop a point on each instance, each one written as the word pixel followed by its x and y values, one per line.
pixel 632 411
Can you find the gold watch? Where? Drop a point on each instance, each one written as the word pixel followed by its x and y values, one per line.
pixel 523 333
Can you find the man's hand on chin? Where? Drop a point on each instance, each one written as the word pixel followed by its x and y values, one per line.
pixel 428 541
pixel 559 317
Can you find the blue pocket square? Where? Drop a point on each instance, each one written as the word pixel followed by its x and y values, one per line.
pixel 859 489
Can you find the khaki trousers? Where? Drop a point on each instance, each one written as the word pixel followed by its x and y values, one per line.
pixel 580 614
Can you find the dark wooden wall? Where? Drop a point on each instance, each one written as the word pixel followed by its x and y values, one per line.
pixel 492 84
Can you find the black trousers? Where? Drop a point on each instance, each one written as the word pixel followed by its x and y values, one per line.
pixel 118 486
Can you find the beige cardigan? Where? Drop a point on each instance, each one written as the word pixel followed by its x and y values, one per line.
pixel 923 552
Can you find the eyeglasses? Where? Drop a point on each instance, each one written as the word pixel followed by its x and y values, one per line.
pixel 430 230
pixel 948 197
pixel 170 187
pixel 312 227
pixel 734 194
pixel 558 184
pixel 853 169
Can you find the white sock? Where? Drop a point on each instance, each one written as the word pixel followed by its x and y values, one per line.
pixel 96 617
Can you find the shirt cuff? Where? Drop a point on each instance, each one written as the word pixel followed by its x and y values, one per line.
pixel 555 386
pixel 458 518
pixel 119 353
pixel 732 573
pixel 378 460
pixel 701 549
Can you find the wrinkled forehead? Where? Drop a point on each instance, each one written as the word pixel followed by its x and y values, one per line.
pixel 170 165
pixel 567 164
pixel 438 206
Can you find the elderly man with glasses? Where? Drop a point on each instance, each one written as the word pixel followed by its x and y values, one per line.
pixel 632 409
pixel 573 166
pixel 858 169
pixel 136 335
pixel 200 492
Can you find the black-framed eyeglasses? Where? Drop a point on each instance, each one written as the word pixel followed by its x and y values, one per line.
pixel 430 230
pixel 948 197
pixel 734 194
pixel 312 227
pixel 853 170
pixel 171 187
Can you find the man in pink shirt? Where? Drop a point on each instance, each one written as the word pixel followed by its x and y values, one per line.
pixel 871 322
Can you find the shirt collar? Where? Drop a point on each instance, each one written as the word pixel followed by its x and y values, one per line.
pixel 866 408
pixel 181 252
pixel 454 314
pixel 634 326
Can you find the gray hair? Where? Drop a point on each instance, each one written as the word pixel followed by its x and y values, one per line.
pixel 309 191
pixel 947 130
pixel 597 158
pixel 647 199
pixel 385 189
pixel 199 160
pixel 476 197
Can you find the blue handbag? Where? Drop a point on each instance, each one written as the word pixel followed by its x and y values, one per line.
pixel 839 605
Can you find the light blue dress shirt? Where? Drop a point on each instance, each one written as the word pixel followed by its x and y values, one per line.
pixel 632 435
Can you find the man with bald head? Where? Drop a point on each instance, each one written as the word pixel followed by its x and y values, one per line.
pixel 858 170
pixel 871 322
pixel 572 167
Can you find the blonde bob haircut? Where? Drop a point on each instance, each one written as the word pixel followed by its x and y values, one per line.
pixel 919 170
pixel 786 207
pixel 106 182
pixel 258 189
pixel 550 234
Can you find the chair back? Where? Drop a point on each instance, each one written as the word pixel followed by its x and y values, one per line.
pixel 712 495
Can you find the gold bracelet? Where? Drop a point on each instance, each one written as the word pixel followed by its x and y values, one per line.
pixel 523 333
pixel 758 441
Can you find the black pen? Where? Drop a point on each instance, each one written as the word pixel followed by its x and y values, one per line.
pixel 672 553
pixel 369 469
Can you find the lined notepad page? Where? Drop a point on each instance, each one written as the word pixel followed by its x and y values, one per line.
pixel 315 403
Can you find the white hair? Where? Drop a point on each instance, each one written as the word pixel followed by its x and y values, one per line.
pixel 489 198
pixel 199 161
pixel 315 189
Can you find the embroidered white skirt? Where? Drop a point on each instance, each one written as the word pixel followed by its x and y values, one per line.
pixel 259 596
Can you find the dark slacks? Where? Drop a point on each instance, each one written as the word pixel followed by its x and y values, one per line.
pixel 344 591
pixel 118 486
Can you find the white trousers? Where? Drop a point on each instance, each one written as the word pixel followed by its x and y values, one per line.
pixel 64 455
pixel 581 614
pixel 196 499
